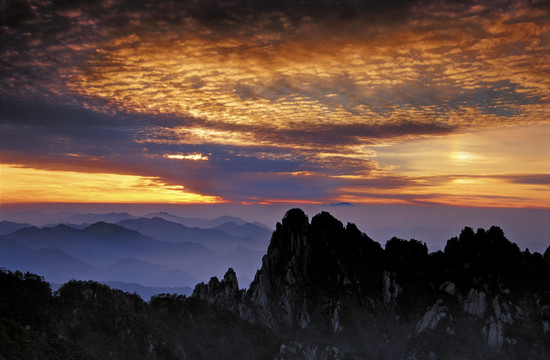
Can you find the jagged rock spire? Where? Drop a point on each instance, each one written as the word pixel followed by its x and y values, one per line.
pixel 223 293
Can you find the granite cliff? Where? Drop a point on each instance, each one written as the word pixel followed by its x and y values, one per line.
pixel 332 290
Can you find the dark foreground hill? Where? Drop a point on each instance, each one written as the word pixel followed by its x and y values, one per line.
pixel 325 291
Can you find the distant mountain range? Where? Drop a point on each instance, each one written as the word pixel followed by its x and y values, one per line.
pixel 324 291
pixel 201 222
pixel 222 239
pixel 150 252
pixel 38 218
pixel 93 218
pixel 56 265
pixel 7 227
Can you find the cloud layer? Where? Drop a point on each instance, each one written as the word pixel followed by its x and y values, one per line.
pixel 271 101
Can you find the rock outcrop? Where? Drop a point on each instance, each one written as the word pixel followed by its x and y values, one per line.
pixel 332 290
pixel 223 293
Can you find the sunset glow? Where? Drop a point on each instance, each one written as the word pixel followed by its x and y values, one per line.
pixel 28 185
pixel 414 103
pixel 194 157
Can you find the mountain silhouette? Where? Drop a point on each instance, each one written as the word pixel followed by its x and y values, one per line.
pixel 102 244
pixel 195 252
pixel 57 265
pixel 93 218
pixel 7 227
pixel 326 283
pixel 253 231
pixel 324 290
pixel 215 239
pixel 200 222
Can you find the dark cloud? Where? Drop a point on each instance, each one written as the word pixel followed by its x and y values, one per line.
pixel 528 179
pixel 331 136
pixel 30 124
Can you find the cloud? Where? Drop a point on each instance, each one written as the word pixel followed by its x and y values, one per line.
pixel 459 190
pixel 530 179
pixel 37 128
pixel 24 185
pixel 272 94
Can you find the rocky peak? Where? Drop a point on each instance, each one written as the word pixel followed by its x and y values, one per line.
pixel 323 280
pixel 223 293
pixel 290 238
pixel 323 253
pixel 309 266
pixel 230 280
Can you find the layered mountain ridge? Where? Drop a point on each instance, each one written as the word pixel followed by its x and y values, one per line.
pixel 152 252
pixel 331 285
pixel 324 291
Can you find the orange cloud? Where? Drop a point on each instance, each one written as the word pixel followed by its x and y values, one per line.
pixel 479 191
pixel 20 184
pixel 349 102
pixel 375 75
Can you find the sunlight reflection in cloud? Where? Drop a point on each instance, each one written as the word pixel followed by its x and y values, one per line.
pixel 21 184
pixel 194 157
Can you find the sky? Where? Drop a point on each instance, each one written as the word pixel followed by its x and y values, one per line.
pixel 419 103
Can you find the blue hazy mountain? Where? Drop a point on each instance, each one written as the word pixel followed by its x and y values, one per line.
pixel 195 221
pixel 250 230
pixel 55 265
pixel 144 273
pixel 202 222
pixel 215 239
pixel 102 244
pixel 7 227
pixel 174 255
pixel 249 261
pixel 112 217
